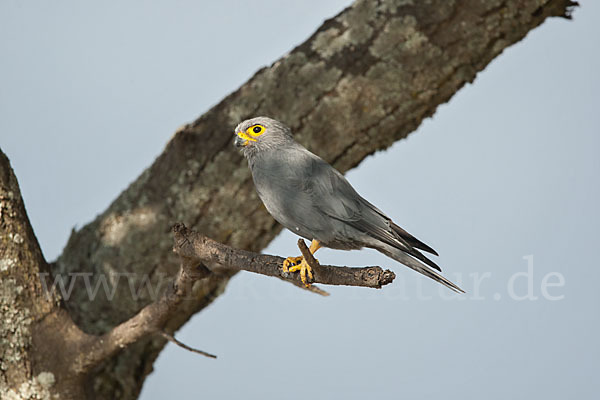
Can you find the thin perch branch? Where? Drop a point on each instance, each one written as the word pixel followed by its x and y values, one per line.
pixel 194 245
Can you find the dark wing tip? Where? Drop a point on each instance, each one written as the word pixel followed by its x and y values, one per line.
pixel 424 247
pixel 428 261
pixel 413 241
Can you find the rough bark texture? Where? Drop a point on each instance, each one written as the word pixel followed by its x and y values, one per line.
pixel 22 301
pixel 365 79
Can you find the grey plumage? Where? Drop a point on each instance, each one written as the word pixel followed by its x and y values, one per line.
pixel 312 199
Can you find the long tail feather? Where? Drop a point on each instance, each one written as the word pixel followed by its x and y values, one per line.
pixel 418 266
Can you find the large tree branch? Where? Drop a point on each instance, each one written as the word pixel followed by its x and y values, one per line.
pixel 365 79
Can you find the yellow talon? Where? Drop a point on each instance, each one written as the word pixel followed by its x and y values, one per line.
pixel 305 270
pixel 295 264
pixel 291 261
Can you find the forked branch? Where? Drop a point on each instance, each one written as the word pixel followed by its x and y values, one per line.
pixel 197 251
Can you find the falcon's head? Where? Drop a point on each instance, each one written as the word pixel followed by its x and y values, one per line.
pixel 261 133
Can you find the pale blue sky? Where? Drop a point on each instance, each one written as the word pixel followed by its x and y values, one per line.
pixel 91 93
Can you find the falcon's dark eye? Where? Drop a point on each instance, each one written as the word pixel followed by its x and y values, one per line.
pixel 256 130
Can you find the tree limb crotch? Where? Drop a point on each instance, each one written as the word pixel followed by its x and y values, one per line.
pixel 196 251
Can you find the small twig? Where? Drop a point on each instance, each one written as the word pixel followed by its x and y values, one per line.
pixel 172 339
pixel 313 263
pixel 312 288
pixel 308 256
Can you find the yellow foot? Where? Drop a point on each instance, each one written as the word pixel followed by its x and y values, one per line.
pixel 295 264
pixel 305 270
pixel 291 261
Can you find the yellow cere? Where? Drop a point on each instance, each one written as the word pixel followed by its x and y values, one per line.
pixel 247 138
pixel 251 133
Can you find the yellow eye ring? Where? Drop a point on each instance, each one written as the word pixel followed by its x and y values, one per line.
pixel 255 130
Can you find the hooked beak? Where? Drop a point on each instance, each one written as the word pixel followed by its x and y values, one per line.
pixel 239 142
pixel 243 139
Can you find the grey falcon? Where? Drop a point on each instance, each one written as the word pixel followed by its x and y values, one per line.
pixel 312 199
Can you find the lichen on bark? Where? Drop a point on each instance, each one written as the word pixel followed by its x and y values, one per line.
pixel 22 301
